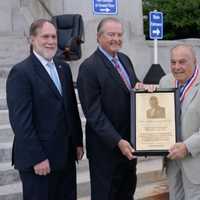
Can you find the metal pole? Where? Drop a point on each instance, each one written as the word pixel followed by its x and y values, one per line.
pixel 155 51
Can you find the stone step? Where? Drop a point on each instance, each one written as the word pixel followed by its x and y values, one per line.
pixel 13 49
pixel 147 191
pixel 4 117
pixel 11 34
pixel 14 192
pixel 155 191
pixel 3 103
pixel 5 151
pixel 3 88
pixel 8 175
pixel 11 191
pixel 6 140
pixel 6 133
pixel 12 58
pixel 148 173
pixel 11 188
pixel 149 170
pixel 12 39
pixel 151 191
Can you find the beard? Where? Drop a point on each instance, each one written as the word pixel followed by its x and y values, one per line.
pixel 48 54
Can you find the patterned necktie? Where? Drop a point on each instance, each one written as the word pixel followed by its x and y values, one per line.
pixel 54 76
pixel 121 73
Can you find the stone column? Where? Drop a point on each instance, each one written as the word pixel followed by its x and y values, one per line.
pixel 138 18
pixel 5 16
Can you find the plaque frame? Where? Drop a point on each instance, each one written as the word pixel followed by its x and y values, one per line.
pixel 134 95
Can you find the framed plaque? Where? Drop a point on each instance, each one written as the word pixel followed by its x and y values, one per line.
pixel 155 121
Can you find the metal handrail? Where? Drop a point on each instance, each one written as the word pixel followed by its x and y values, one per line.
pixel 46 8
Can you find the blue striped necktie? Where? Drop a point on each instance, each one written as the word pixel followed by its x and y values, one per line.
pixel 54 76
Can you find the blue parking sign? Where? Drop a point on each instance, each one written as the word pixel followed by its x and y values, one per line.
pixel 105 7
pixel 155 25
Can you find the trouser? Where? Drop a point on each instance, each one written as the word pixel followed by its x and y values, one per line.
pixel 58 185
pixel 180 187
pixel 116 184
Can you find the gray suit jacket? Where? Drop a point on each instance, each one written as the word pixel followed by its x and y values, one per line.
pixel 190 128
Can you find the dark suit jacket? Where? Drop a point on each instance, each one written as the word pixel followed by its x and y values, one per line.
pixel 105 100
pixel 42 119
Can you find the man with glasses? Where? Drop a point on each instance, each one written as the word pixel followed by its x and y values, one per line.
pixel 104 82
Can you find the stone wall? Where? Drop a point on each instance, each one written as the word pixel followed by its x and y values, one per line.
pixel 5 16
pixel 129 12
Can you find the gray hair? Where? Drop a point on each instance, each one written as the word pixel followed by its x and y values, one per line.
pixel 188 46
pixel 105 20
pixel 38 24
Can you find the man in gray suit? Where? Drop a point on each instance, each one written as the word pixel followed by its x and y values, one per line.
pixel 183 164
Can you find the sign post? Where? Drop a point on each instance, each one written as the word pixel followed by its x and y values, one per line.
pixel 105 7
pixel 155 30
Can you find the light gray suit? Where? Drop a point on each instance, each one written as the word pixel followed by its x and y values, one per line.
pixel 189 167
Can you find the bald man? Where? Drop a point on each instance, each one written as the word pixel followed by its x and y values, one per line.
pixel 183 164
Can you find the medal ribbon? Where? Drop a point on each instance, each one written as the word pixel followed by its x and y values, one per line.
pixel 187 85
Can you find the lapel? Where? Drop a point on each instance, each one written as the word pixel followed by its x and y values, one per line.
pixel 113 72
pixel 63 80
pixel 190 96
pixel 61 75
pixel 40 70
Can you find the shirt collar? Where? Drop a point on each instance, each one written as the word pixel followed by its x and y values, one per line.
pixel 42 59
pixel 107 54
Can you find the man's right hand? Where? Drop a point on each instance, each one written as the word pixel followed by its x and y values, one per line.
pixel 126 149
pixel 42 168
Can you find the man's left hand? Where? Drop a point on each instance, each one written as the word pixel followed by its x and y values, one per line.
pixel 177 151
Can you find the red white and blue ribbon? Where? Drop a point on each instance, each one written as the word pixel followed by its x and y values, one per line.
pixel 188 84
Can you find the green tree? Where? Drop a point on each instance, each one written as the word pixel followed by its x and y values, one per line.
pixel 181 17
